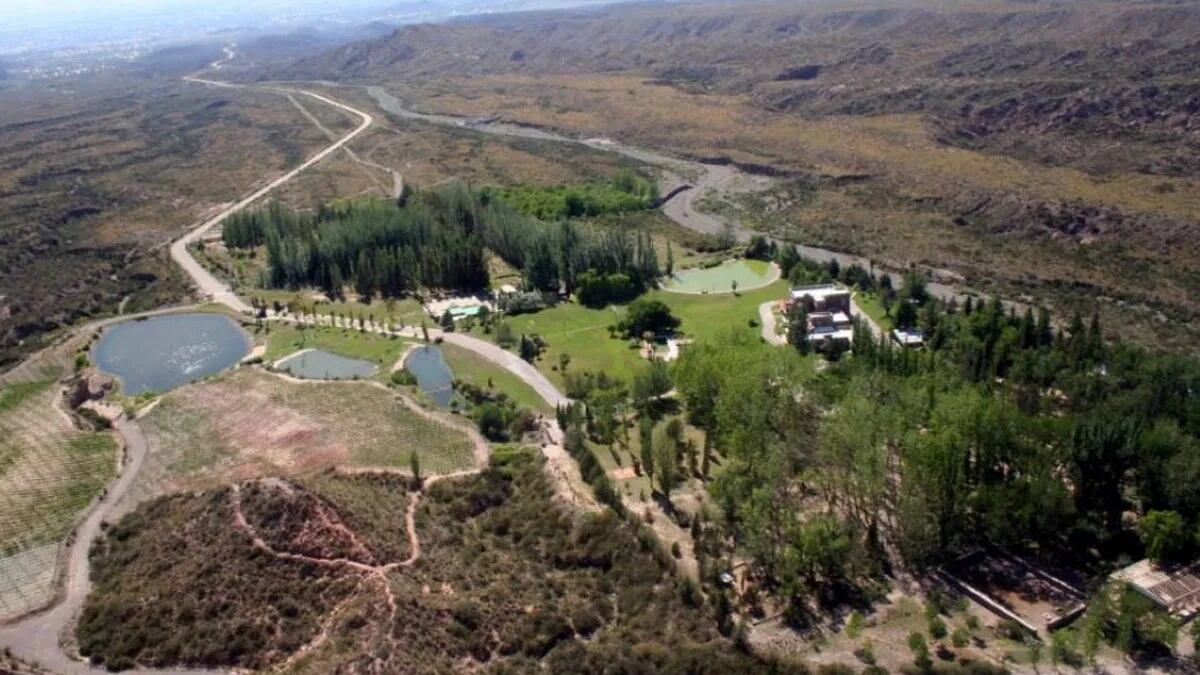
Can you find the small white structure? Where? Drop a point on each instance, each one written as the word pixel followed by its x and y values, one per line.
pixel 908 338
pixel 1175 589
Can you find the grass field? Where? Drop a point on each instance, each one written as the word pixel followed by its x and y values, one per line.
pixel 871 305
pixel 283 339
pixel 250 423
pixel 49 473
pixel 582 333
pixel 470 367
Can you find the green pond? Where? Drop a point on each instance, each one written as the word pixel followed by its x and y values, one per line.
pixel 747 273
pixel 318 364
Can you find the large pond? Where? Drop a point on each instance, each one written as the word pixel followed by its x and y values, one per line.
pixel 433 374
pixel 748 274
pixel 164 352
pixel 318 364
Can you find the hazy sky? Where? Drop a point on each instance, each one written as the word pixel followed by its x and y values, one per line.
pixel 52 24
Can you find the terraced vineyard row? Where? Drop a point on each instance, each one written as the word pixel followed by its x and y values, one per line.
pixel 251 423
pixel 49 473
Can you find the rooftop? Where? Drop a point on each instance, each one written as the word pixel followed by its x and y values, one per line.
pixel 908 338
pixel 819 292
pixel 1174 588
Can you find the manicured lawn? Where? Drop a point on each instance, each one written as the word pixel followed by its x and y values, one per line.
pixel 470 367
pixel 871 305
pixel 707 316
pixel 582 332
pixel 284 339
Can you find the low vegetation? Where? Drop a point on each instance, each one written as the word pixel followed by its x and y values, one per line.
pixel 627 191
pixel 252 423
pixel 507 581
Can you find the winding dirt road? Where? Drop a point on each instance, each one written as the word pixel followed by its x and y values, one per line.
pixel 37 638
pixel 210 287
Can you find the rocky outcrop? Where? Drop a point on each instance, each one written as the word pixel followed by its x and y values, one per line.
pixel 89 385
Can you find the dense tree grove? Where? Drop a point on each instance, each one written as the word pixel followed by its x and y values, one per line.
pixel 438 239
pixel 1005 430
pixel 627 191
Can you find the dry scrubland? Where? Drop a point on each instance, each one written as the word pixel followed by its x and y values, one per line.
pixel 251 423
pixel 95 174
pixel 507 581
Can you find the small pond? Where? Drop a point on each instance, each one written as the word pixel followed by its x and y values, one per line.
pixel 318 364
pixel 164 352
pixel 749 274
pixel 433 374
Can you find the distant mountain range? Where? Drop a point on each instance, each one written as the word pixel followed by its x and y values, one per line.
pixel 1099 99
pixel 985 70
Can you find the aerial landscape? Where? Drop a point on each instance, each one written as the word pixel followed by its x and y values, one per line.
pixel 826 337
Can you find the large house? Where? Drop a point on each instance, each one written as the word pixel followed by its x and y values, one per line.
pixel 830 298
pixel 829 316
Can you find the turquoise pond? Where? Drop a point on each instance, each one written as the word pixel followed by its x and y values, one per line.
pixel 318 364
pixel 747 273
pixel 164 352
pixel 433 374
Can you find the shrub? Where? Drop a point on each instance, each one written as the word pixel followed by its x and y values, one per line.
pixel 522 303
pixel 854 625
pixel 960 638
pixel 600 290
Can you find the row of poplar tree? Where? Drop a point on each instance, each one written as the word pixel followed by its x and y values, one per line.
pixel 433 239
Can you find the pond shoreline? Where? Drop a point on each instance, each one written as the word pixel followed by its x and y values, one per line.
pixel 775 274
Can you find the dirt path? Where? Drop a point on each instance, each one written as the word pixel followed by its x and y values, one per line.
pixel 766 318
pixel 370 572
pixel 211 287
pixel 36 638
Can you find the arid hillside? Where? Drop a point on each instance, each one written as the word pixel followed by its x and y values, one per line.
pixel 1046 150
pixel 1117 70
pixel 98 174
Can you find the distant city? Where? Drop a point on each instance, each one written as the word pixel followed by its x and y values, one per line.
pixel 38 44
